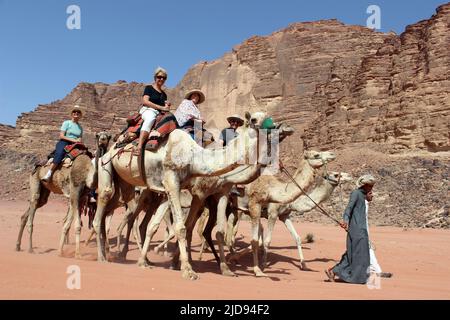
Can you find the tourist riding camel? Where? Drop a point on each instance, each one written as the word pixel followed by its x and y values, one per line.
pixel 74 181
pixel 71 132
pixel 154 100
pixel 188 113
pixel 228 134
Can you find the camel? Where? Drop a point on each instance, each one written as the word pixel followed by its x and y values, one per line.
pixel 217 189
pixel 167 170
pixel 301 205
pixel 139 203
pixel 268 189
pixel 72 182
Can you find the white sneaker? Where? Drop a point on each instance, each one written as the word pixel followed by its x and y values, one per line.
pixel 47 176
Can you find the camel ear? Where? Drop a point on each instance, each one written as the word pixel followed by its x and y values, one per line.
pixel 247 115
pixel 97 135
pixel 109 136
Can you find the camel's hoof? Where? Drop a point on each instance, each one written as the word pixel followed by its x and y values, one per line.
pixel 226 271
pixel 30 251
pixel 102 259
pixel 304 267
pixel 17 247
pixel 259 273
pixel 145 263
pixel 190 275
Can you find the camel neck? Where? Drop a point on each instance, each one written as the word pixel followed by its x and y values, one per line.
pixel 320 194
pixel 220 161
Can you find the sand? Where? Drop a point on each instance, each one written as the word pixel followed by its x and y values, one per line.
pixel 418 258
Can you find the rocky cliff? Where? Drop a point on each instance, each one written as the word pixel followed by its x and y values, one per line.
pixel 342 87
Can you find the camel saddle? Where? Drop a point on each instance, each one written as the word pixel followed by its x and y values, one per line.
pixel 72 152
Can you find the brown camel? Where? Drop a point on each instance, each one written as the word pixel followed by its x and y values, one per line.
pixel 73 182
pixel 269 189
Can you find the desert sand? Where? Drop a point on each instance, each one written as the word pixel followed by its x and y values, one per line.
pixel 419 259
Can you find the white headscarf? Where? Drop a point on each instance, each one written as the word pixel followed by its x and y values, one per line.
pixel 365 179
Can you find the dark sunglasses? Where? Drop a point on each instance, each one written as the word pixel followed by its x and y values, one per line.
pixel 161 77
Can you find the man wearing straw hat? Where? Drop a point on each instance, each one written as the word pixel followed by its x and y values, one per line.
pixel 359 261
pixel 71 132
pixel 228 134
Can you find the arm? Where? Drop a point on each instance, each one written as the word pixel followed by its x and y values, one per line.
pixel 63 137
pixel 350 206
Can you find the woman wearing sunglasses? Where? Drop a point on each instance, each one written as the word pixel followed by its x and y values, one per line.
pixel 154 100
pixel 71 132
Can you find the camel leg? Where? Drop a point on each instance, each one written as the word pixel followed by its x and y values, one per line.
pixel 105 194
pixel 255 211
pixel 172 185
pixel 136 233
pixel 220 233
pixel 272 219
pixel 194 214
pixel 152 227
pixel 75 195
pixel 210 224
pixel 39 197
pixel 91 235
pixel 170 234
pixel 126 219
pixel 108 219
pixel 230 225
pixel 133 222
pixel 290 226
pixel 66 226
pixel 200 230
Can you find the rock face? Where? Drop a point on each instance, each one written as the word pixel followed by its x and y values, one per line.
pixel 399 94
pixel 7 134
pixel 339 86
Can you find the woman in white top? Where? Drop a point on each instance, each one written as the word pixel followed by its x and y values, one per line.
pixel 187 112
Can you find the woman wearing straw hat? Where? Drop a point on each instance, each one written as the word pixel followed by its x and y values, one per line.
pixel 228 134
pixel 71 132
pixel 187 112
pixel 154 100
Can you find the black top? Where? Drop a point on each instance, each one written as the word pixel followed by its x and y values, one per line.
pixel 227 135
pixel 156 97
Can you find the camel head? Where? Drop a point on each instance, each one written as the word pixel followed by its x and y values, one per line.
pixel 335 178
pixel 102 140
pixel 317 159
pixel 284 130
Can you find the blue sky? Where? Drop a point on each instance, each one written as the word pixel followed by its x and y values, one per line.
pixel 42 61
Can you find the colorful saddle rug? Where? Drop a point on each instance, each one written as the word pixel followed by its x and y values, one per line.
pixel 72 152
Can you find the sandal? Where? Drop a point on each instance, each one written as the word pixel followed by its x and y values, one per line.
pixel 330 274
